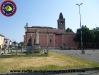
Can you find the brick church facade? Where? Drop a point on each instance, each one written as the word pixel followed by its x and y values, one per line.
pixel 51 37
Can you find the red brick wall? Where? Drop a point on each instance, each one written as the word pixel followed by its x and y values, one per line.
pixel 69 41
pixel 43 40
pixel 58 40
pixel 51 43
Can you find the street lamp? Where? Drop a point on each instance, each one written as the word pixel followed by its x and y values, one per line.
pixel 83 52
pixel 47 38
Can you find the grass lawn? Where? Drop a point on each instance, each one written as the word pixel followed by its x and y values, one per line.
pixel 52 62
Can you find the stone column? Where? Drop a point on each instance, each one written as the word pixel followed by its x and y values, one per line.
pixel 36 44
pixel 37 37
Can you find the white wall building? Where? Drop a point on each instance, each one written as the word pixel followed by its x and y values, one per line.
pixel 1 41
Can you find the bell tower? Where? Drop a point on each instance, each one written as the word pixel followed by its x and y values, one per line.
pixel 61 22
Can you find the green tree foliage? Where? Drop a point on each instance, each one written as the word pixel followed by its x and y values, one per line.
pixel 20 44
pixel 88 36
pixel 69 30
pixel 96 33
pixel 85 34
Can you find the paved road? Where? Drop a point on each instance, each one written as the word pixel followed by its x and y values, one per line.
pixel 89 54
pixel 92 55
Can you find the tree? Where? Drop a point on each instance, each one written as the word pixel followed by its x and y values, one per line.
pixel 86 35
pixel 69 30
pixel 96 34
pixel 21 43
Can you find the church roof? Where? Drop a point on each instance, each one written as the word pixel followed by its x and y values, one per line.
pixel 41 27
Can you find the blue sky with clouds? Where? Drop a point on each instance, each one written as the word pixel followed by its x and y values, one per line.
pixel 46 13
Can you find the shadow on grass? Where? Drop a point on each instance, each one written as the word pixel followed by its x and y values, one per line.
pixel 22 54
pixel 28 55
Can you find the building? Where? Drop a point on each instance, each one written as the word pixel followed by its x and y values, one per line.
pixel 1 41
pixel 51 37
pixel 6 42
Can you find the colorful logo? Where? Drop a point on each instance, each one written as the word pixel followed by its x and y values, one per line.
pixel 8 8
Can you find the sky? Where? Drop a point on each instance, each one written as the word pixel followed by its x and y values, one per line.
pixel 46 13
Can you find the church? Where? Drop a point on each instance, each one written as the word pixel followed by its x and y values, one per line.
pixel 51 37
